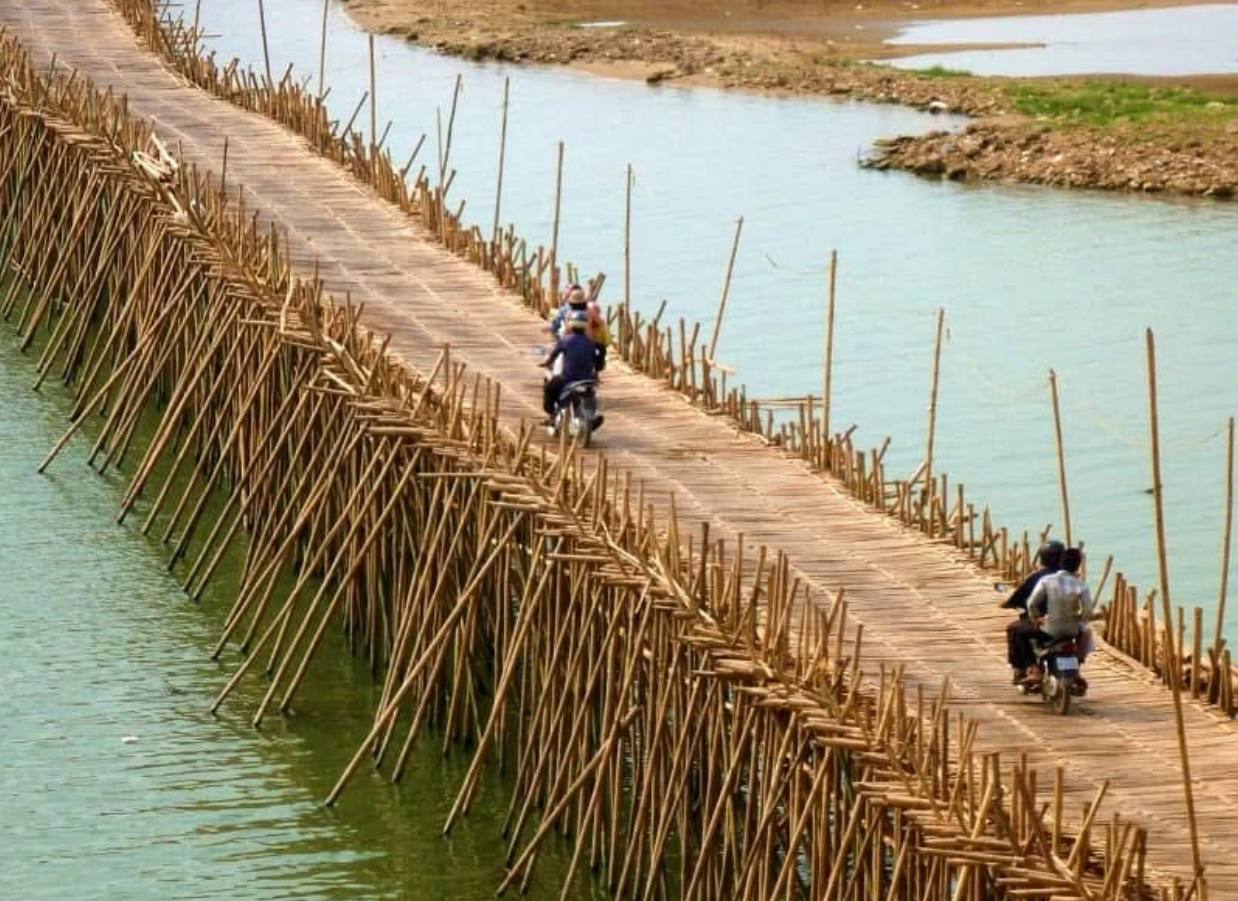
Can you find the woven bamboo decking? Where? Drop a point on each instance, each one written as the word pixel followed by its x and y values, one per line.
pixel 921 605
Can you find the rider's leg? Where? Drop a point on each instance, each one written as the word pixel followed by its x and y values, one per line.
pixel 550 393
pixel 1010 642
pixel 1030 638
pixel 1085 643
pixel 1019 651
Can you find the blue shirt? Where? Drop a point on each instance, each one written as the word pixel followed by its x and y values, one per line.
pixel 560 317
pixel 579 357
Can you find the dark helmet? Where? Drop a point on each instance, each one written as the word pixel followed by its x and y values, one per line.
pixel 577 321
pixel 1072 559
pixel 1050 554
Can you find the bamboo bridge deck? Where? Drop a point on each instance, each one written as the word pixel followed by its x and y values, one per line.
pixel 921 605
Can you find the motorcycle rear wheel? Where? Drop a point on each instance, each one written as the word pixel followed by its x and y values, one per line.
pixel 581 427
pixel 1065 688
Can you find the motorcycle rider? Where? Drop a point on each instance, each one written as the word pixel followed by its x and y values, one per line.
pixel 575 300
pixel 1019 633
pixel 1061 605
pixel 580 363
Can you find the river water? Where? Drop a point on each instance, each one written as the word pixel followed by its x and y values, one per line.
pixel 115 782
pixel 100 645
pixel 1184 40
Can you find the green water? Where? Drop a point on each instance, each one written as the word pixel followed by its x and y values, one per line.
pixel 115 781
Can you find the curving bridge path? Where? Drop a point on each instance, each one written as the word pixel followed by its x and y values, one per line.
pixel 921 605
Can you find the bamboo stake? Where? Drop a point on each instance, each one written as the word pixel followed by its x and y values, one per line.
pixel 1172 666
pixel 266 53
pixel 373 101
pixel 1061 456
pixel 827 392
pixel 726 290
pixel 498 190
pixel 322 52
pixel 554 234
pixel 627 242
pixel 932 428
pixel 1218 640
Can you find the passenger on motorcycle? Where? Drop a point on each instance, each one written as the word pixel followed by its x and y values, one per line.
pixel 1019 633
pixel 1061 605
pixel 580 363
pixel 575 300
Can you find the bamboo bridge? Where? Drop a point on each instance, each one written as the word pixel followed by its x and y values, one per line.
pixel 725 659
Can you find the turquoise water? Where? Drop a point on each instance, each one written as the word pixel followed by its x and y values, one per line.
pixel 1181 40
pixel 115 782
pixel 1030 278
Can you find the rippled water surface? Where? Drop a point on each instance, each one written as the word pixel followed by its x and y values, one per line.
pixel 1183 40
pixel 115 782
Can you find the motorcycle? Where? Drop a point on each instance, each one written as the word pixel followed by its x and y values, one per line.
pixel 1061 679
pixel 576 412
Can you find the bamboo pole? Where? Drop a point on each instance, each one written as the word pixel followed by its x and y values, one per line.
pixel 266 52
pixel 1061 455
pixel 627 242
pixel 554 234
pixel 498 189
pixel 1218 639
pixel 726 290
pixel 322 52
pixel 827 381
pixel 1172 665
pixel 373 101
pixel 932 426
pixel 451 123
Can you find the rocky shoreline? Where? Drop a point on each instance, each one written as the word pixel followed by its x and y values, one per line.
pixel 1002 145
pixel 1028 154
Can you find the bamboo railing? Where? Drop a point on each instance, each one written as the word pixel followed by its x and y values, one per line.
pixel 687 717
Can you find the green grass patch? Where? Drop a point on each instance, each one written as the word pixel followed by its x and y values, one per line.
pixel 1105 103
pixel 941 72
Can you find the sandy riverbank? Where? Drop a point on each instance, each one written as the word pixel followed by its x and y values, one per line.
pixel 811 47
